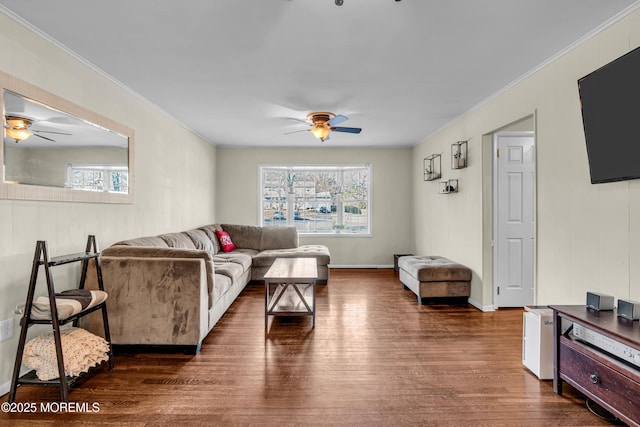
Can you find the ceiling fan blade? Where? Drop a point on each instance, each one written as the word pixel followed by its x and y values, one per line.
pixel 347 130
pixel 296 131
pixel 50 131
pixel 299 120
pixel 44 137
pixel 337 120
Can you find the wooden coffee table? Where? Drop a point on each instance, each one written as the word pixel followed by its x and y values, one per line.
pixel 290 288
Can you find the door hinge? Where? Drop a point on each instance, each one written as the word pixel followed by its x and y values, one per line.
pixel 498 290
pixel 498 153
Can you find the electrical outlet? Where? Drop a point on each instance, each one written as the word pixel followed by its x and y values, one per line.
pixel 6 329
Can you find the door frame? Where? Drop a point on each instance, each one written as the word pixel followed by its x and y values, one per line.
pixel 494 235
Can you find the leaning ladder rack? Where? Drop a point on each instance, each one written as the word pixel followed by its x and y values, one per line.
pixel 41 259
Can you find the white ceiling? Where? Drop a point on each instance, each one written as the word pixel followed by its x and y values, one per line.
pixel 234 71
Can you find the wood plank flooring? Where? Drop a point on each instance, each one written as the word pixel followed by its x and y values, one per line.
pixel 376 357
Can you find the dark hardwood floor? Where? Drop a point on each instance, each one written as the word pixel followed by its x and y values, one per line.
pixel 376 357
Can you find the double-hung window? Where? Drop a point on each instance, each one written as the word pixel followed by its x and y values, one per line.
pixel 317 199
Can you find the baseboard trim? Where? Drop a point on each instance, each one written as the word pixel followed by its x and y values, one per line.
pixel 5 388
pixel 156 348
pixel 484 308
pixel 361 266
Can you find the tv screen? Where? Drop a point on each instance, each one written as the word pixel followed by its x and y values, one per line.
pixel 610 102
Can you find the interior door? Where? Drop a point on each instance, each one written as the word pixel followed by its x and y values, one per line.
pixel 515 216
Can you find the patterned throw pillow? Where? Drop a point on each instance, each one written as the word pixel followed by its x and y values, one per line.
pixel 225 241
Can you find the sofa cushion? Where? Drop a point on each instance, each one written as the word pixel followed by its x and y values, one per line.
pixel 278 238
pixel 266 258
pixel 244 236
pixel 230 269
pixel 178 240
pixel 222 285
pixel 210 230
pixel 151 241
pixel 238 257
pixel 201 240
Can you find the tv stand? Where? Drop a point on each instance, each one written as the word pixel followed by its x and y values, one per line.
pixel 600 365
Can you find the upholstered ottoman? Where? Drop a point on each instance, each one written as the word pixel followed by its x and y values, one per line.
pixel 434 276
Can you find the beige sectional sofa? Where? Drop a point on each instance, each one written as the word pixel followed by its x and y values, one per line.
pixel 167 292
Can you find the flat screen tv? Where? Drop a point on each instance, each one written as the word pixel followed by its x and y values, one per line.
pixel 610 103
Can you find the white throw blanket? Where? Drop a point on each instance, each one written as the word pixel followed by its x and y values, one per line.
pixel 81 350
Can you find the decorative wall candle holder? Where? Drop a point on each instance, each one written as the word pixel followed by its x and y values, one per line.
pixel 432 167
pixel 449 186
pixel 459 155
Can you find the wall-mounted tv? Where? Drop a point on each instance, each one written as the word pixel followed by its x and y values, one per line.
pixel 610 102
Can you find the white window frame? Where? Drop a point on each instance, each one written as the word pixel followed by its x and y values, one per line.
pixel 105 170
pixel 358 222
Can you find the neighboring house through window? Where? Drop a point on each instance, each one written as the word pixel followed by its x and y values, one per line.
pixel 317 199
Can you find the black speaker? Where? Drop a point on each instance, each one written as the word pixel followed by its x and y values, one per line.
pixel 599 302
pixel 629 309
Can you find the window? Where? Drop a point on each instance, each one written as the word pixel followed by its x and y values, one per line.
pixel 111 179
pixel 317 199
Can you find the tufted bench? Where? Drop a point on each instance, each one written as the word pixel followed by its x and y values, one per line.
pixel 434 276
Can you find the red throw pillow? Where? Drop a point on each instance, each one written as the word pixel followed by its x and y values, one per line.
pixel 225 241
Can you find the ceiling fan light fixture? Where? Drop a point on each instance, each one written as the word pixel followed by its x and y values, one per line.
pixel 19 134
pixel 320 131
pixel 18 122
pixel 323 123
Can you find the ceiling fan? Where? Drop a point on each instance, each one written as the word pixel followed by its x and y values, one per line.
pixel 323 123
pixel 18 128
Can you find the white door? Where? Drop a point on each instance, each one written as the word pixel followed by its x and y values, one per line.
pixel 514 225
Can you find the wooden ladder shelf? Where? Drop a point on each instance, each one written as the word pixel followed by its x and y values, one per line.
pixel 41 258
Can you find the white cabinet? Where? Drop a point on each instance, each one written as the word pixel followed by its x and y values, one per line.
pixel 537 341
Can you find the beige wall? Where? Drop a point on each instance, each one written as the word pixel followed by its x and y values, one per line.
pixel 237 196
pixel 588 236
pixel 174 176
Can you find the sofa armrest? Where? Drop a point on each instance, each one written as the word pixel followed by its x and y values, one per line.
pixel 119 251
pixel 156 300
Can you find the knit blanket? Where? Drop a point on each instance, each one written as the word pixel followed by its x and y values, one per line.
pixel 81 350
pixel 68 303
